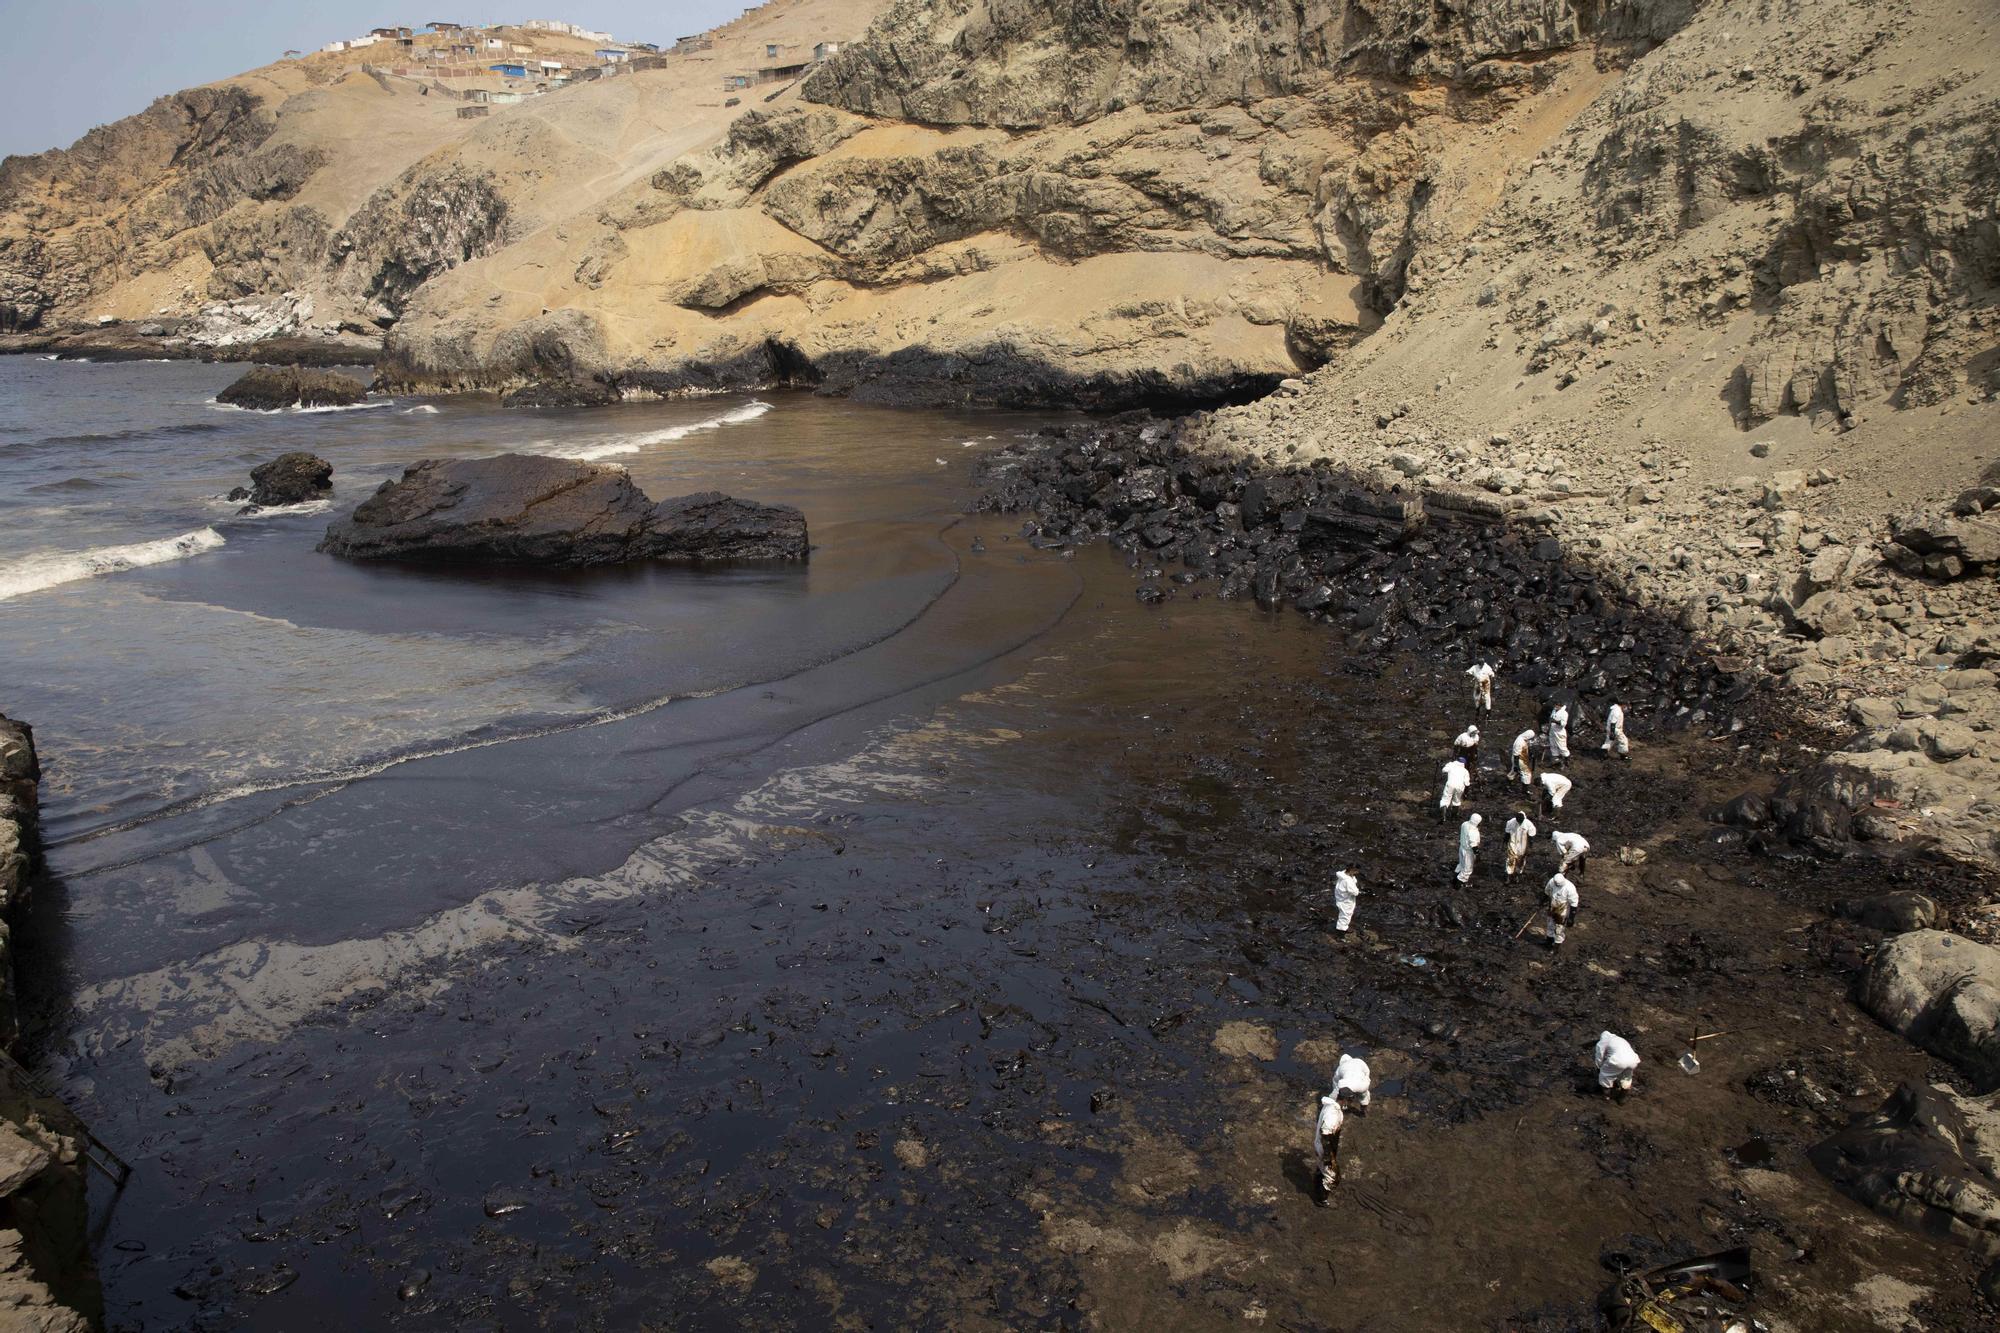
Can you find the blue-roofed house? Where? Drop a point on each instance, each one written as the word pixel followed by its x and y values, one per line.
pixel 510 71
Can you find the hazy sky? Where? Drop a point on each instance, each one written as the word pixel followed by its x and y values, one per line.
pixel 75 64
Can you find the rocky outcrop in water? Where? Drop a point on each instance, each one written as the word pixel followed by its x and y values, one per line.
pixel 288 479
pixel 271 388
pixel 533 510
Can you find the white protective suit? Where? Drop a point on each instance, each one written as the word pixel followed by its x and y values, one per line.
pixel 1351 1077
pixel 1346 893
pixel 1326 1139
pixel 1482 684
pixel 1467 739
pixel 1614 731
pixel 1519 829
pixel 1468 840
pixel 1557 786
pixel 1559 732
pixel 1562 901
pixel 1571 847
pixel 1456 780
pixel 1616 1061
pixel 1520 765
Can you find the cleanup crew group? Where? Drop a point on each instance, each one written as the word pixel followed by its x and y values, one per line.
pixel 1614 1057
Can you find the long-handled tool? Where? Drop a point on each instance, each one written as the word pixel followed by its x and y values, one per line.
pixel 1689 1063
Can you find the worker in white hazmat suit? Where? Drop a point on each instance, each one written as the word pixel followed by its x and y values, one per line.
pixel 1571 849
pixel 1616 1062
pixel 1456 779
pixel 1563 902
pixel 1558 732
pixel 1466 745
pixel 1468 842
pixel 1614 732
pixel 1482 685
pixel 1326 1146
pixel 1351 1081
pixel 1554 787
pixel 1346 893
pixel 1519 764
pixel 1519 829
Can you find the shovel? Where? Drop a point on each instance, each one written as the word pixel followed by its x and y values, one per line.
pixel 1691 1065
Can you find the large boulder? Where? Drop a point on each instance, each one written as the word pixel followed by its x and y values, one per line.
pixel 1942 991
pixel 528 509
pixel 288 479
pixel 269 388
pixel 1928 1158
pixel 562 393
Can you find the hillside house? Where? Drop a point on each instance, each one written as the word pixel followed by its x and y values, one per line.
pixel 510 71
pixel 611 55
pixel 732 82
pixel 825 49
pixel 550 66
pixel 773 73
pixel 389 34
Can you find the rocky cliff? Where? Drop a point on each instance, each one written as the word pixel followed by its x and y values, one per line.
pixel 1047 203
pixel 1099 204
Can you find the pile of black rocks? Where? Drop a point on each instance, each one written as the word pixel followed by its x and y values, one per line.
pixel 1396 572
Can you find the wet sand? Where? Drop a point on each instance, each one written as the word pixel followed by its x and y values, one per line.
pixel 1012 1014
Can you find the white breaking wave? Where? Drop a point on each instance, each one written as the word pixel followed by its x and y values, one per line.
pixel 268 511
pixel 297 411
pixel 36 572
pixel 424 408
pixel 632 444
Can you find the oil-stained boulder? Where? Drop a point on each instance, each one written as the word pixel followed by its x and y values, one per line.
pixel 555 512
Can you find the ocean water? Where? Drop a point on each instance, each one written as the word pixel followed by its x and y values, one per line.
pixel 502 948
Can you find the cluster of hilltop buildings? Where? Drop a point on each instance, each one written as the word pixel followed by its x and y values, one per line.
pixel 443 40
pixel 494 68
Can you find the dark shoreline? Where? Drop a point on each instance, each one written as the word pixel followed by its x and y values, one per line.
pixel 119 345
pixel 46 1272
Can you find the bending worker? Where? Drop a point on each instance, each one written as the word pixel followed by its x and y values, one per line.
pixel 1519 829
pixel 1518 764
pixel 1572 848
pixel 1616 1062
pixel 1346 893
pixel 1456 780
pixel 1554 787
pixel 1563 902
pixel 1614 732
pixel 1351 1080
pixel 1466 745
pixel 1468 841
pixel 1482 685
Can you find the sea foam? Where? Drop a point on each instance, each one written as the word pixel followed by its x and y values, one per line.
pixel 47 569
pixel 632 444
